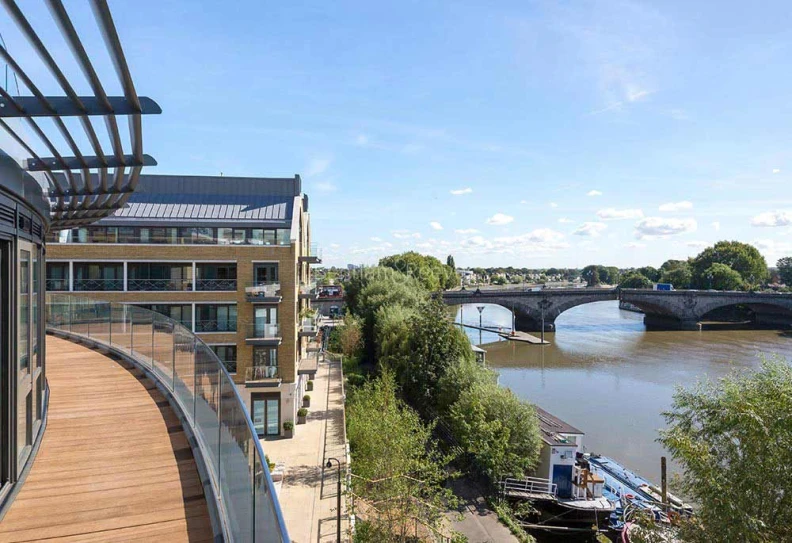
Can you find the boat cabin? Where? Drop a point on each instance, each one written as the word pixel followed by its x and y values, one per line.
pixel 481 354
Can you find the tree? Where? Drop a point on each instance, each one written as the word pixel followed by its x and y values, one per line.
pixel 680 277
pixel 653 274
pixel 669 265
pixel 396 464
pixel 450 262
pixel 428 270
pixel 609 275
pixel 722 277
pixel 732 439
pixel 785 270
pixel 591 275
pixel 743 258
pixel 635 280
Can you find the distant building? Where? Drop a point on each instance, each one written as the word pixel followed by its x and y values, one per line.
pixel 229 258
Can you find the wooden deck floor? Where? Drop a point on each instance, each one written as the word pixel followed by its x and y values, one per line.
pixel 114 463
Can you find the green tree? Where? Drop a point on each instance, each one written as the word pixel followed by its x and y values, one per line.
pixel 653 274
pixel 635 280
pixel 497 429
pixel 732 439
pixel 669 265
pixel 591 275
pixel 610 275
pixel 722 277
pixel 743 258
pixel 395 462
pixel 680 277
pixel 784 266
pixel 450 262
pixel 428 270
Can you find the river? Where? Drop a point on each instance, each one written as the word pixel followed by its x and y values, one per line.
pixel 612 379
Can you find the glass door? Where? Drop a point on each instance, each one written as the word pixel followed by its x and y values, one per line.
pixel 273 417
pixel 259 408
pixel 24 403
pixel 265 317
pixel 266 414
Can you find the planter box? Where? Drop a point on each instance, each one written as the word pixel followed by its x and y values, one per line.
pixel 288 433
pixel 309 386
pixel 301 420
pixel 306 403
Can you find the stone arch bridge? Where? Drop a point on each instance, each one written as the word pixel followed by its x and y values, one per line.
pixel 675 310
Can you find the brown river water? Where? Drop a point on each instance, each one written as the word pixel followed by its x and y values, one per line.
pixel 612 379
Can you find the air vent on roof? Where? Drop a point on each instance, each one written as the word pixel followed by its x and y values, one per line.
pixel 36 229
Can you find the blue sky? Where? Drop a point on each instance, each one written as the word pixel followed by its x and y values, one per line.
pixel 505 133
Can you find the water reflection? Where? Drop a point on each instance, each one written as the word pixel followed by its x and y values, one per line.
pixel 605 374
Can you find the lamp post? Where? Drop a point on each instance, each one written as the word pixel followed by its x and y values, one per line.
pixel 480 310
pixel 544 304
pixel 338 497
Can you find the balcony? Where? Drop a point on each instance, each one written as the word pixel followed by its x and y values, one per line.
pixel 97 285
pixel 216 326
pixel 263 292
pixel 313 255
pixel 138 446
pixel 216 285
pixel 263 334
pixel 309 326
pixel 309 364
pixel 54 285
pixel 159 285
pixel 262 376
pixel 308 291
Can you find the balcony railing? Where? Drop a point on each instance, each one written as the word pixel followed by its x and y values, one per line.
pixel 262 373
pixel 200 388
pixel 57 284
pixel 312 254
pixel 262 331
pixel 308 290
pixel 159 285
pixel 216 284
pixel 216 325
pixel 309 325
pixel 98 284
pixel 263 291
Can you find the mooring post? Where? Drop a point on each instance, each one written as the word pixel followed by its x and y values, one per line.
pixel 663 479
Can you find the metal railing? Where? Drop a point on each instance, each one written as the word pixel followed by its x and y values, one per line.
pixel 262 331
pixel 216 284
pixel 261 373
pixel 263 289
pixel 313 250
pixel 308 288
pixel 529 485
pixel 98 284
pixel 159 285
pixel 58 284
pixel 216 325
pixel 205 394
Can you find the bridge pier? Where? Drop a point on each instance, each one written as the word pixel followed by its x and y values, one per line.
pixel 528 323
pixel 654 321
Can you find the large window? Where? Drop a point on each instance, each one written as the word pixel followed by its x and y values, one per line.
pixel 159 276
pixel 181 313
pixel 215 318
pixel 265 273
pixel 98 276
pixel 57 276
pixel 172 235
pixel 266 358
pixel 216 276
pixel 227 355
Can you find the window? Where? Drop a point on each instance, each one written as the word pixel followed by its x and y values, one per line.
pixel 265 273
pixel 215 318
pixel 265 411
pixel 23 345
pixel 158 276
pixel 266 357
pixel 216 276
pixel 224 236
pixel 127 234
pixel 284 236
pixel 57 276
pixel 269 237
pixel 227 355
pixel 181 313
pixel 98 276
pixel 257 236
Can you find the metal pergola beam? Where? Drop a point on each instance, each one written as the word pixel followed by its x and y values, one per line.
pixel 30 106
pixel 70 163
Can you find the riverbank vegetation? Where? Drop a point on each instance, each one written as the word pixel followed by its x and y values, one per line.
pixel 405 349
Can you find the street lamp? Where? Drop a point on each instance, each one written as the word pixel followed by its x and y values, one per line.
pixel 338 497
pixel 480 310
pixel 544 304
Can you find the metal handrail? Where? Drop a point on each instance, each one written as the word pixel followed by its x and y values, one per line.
pixel 531 485
pixel 233 457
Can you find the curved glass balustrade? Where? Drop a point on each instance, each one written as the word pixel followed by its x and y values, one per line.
pixel 206 394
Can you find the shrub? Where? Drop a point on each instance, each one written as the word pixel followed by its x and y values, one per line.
pixel 288 426
pixel 302 412
pixel 307 398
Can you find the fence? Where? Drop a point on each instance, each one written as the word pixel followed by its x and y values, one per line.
pixel 206 396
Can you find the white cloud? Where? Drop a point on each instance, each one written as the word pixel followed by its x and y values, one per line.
pixel 593 193
pixel 590 229
pixel 325 186
pixel 405 234
pixel 776 170
pixel 676 206
pixel 611 214
pixel 772 218
pixel 697 244
pixel 659 227
pixel 459 192
pixel 773 250
pixel 335 246
pixel 540 241
pixel 436 225
pixel 362 140
pixel 564 220
pixel 553 204
pixel 377 240
pixel 716 226
pixel 466 231
pixel 523 202
pixel 635 245
pixel 499 219
pixel 317 166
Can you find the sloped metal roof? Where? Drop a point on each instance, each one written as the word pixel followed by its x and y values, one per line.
pixel 214 200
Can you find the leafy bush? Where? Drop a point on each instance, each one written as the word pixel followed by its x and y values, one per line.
pixel 288 426
pixel 302 412
pixel 307 398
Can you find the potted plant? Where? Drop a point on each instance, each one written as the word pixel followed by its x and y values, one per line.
pixel 288 429
pixel 309 385
pixel 302 413
pixel 307 400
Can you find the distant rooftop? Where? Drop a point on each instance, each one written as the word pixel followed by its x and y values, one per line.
pixel 551 426
pixel 213 200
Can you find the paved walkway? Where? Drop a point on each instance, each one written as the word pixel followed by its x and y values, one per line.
pixel 308 495
pixel 479 523
pixel 114 463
